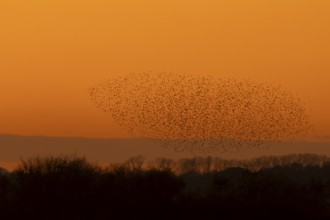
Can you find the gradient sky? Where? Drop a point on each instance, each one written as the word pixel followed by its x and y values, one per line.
pixel 51 51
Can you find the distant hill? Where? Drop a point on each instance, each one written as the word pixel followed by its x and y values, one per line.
pixel 14 147
pixel 3 170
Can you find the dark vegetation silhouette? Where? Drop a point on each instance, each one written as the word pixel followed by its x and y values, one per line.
pixel 70 187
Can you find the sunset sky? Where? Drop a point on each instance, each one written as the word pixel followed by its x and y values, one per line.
pixel 52 51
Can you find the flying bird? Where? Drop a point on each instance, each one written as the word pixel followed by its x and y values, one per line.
pixel 202 114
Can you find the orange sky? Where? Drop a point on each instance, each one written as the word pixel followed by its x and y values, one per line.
pixel 52 51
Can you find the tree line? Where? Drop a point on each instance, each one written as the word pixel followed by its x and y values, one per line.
pixel 216 164
pixel 70 187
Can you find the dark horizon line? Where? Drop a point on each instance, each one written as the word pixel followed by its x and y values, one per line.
pixel 317 139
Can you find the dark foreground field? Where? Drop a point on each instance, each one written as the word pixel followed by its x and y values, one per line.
pixel 69 187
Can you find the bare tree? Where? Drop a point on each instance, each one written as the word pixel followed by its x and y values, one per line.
pixel 135 163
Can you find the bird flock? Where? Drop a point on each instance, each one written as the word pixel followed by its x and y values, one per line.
pixel 202 114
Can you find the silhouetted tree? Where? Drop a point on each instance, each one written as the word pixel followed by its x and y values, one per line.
pixel 69 187
pixel 135 163
pixel 55 187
